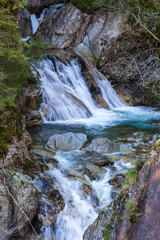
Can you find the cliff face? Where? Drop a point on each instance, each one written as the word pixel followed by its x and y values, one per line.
pixel 142 222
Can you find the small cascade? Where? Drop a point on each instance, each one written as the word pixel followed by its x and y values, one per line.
pixel 66 95
pixel 37 21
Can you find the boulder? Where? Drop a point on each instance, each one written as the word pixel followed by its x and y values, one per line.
pixel 100 145
pixel 65 28
pixel 93 172
pixel 66 141
pixel 22 200
pixel 50 205
pixel 117 181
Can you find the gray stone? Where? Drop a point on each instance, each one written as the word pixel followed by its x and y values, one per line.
pixel 13 222
pixel 93 172
pixel 125 148
pixel 96 229
pixel 65 28
pixel 100 145
pixel 67 141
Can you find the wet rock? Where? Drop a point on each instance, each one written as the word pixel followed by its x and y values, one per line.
pixel 126 148
pixel 97 229
pixel 50 205
pixel 44 153
pixel 88 191
pixel 117 181
pixel 93 172
pixel 100 145
pixel 65 28
pixel 67 141
pixel 86 187
pixel 13 222
pixel 105 161
pixel 155 138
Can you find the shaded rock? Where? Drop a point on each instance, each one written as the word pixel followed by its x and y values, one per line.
pixel 29 104
pixel 117 181
pixel 13 222
pixel 44 153
pixel 24 22
pixel 66 141
pixel 93 172
pixel 50 205
pixel 100 145
pixel 36 6
pixel 18 156
pixel 106 161
pixel 65 28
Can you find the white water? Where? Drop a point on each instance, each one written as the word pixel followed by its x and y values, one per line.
pixel 66 95
pixel 37 21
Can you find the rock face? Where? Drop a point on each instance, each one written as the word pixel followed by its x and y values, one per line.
pixel 29 105
pixel 65 28
pixel 103 28
pixel 67 141
pixel 100 145
pixel 142 223
pixel 13 222
pixel 24 22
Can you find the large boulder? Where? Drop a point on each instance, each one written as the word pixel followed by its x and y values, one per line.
pixel 100 145
pixel 18 202
pixel 66 141
pixel 65 28
pixel 103 28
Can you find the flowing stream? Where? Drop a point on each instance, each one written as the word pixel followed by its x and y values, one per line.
pixel 68 106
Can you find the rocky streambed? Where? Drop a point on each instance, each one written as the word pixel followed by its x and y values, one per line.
pixel 84 176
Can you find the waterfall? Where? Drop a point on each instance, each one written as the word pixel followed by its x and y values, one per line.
pixel 66 95
pixel 37 21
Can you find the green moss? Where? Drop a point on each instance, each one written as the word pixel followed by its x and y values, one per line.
pixel 107 232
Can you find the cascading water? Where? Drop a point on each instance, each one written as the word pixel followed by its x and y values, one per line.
pixel 66 95
pixel 67 100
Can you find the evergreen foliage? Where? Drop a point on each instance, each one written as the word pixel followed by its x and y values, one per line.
pixel 15 70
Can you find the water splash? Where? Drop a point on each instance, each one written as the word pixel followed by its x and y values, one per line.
pixel 66 95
